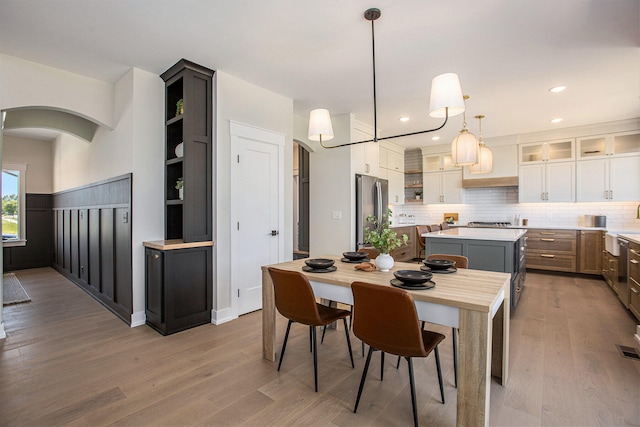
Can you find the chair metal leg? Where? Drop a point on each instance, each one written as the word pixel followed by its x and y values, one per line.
pixel 284 344
pixel 437 353
pixel 382 366
pixel 310 340
pixel 413 393
pixel 362 349
pixel 315 356
pixel 455 354
pixel 364 376
pixel 398 363
pixel 324 330
pixel 346 332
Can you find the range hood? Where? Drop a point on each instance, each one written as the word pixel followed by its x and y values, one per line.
pixel 507 181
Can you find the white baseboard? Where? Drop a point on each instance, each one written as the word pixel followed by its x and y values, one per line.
pixel 222 316
pixel 138 319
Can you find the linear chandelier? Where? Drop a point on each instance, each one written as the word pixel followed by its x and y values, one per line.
pixel 446 101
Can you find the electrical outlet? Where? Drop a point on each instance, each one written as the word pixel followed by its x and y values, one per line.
pixel 336 215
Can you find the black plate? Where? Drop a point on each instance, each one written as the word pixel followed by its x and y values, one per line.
pixel 355 256
pixel 355 261
pixel 319 270
pixel 399 284
pixel 319 263
pixel 439 264
pixel 447 271
pixel 412 277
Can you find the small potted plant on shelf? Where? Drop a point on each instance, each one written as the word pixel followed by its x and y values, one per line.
pixel 179 187
pixel 384 239
pixel 179 107
pixel 418 194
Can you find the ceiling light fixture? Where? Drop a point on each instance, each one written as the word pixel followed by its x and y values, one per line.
pixel 404 119
pixel 485 155
pixel 446 101
pixel 556 120
pixel 464 148
pixel 435 138
pixel 557 89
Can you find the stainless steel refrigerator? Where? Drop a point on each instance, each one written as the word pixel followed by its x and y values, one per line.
pixel 372 198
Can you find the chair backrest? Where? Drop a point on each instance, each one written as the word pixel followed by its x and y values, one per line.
pixel 435 227
pixel 461 261
pixel 294 296
pixel 371 252
pixel 444 225
pixel 386 319
pixel 420 230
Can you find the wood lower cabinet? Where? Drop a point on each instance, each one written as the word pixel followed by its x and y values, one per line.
pixel 549 249
pixel 634 278
pixel 590 251
pixel 406 252
pixel 178 288
pixel 610 271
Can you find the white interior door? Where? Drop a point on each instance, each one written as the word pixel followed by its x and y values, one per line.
pixel 256 212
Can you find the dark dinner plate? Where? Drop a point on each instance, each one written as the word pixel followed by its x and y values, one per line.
pixel 355 261
pixel 412 277
pixel 399 284
pixel 446 271
pixel 319 270
pixel 439 264
pixel 319 263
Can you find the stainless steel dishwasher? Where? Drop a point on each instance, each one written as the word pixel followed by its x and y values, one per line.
pixel 623 272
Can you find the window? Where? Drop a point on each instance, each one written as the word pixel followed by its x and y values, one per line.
pixel 13 204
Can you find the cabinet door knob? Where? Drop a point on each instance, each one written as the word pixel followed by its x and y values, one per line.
pixel 156 256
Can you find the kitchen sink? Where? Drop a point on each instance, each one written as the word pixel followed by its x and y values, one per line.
pixel 611 244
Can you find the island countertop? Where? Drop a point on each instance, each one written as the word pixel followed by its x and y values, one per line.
pixel 501 234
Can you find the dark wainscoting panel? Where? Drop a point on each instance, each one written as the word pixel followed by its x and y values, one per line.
pixel 92 236
pixel 39 228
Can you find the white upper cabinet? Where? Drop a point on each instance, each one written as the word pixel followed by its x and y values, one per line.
pixel 396 187
pixel 618 144
pixel 505 163
pixel 391 162
pixel 549 151
pixel 443 187
pixel 365 158
pixel 438 162
pixel 552 182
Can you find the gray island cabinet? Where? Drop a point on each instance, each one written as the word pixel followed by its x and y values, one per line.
pixel 490 249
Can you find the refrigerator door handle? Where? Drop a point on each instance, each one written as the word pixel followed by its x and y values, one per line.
pixel 378 201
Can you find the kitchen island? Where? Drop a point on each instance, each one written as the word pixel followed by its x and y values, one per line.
pixel 491 249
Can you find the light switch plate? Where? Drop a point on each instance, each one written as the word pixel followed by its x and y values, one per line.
pixel 336 215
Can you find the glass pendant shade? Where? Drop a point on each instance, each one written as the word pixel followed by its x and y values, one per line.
pixel 464 149
pixel 446 93
pixel 320 128
pixel 485 161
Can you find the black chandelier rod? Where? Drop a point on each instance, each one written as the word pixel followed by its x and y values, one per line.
pixel 371 15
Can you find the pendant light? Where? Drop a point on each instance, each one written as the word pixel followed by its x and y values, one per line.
pixel 445 101
pixel 485 155
pixel 464 148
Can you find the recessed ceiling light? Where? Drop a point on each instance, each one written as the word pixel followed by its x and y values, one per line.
pixel 556 120
pixel 404 119
pixel 435 138
pixel 557 89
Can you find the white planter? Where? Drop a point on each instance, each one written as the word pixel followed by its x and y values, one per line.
pixel 384 262
pixel 180 193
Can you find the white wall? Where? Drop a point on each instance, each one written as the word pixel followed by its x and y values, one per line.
pixel 27 84
pixel 37 155
pixel 249 104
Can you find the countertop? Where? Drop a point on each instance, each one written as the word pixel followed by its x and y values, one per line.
pixel 633 237
pixel 502 234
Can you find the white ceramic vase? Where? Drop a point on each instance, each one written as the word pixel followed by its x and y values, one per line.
pixel 384 262
pixel 180 193
pixel 179 150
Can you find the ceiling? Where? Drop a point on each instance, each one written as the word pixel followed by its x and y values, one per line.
pixel 318 53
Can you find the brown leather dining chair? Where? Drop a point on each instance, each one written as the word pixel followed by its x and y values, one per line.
pixel 294 299
pixel 435 227
pixel 386 319
pixel 420 230
pixel 461 262
pixel 444 225
pixel 371 252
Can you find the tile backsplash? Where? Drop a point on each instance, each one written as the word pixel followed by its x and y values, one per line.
pixel 501 204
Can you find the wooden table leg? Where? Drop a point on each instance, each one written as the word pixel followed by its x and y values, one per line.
pixel 268 318
pixel 474 368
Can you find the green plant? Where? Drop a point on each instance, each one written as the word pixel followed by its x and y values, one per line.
pixel 179 107
pixel 179 184
pixel 381 236
pixel 418 193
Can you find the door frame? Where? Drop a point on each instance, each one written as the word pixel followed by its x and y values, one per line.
pixel 239 131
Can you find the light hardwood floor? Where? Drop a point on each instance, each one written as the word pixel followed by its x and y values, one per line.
pixel 68 361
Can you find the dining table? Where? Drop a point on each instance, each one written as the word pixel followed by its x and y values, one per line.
pixel 474 301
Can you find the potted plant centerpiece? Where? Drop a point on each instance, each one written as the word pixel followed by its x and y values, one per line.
pixel 384 239
pixel 179 187
pixel 418 194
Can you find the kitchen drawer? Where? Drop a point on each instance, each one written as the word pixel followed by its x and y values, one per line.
pixel 546 261
pixel 634 261
pixel 634 298
pixel 556 234
pixel 552 245
pixel 404 253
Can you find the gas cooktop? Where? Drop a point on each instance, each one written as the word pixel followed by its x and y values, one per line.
pixel 488 224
